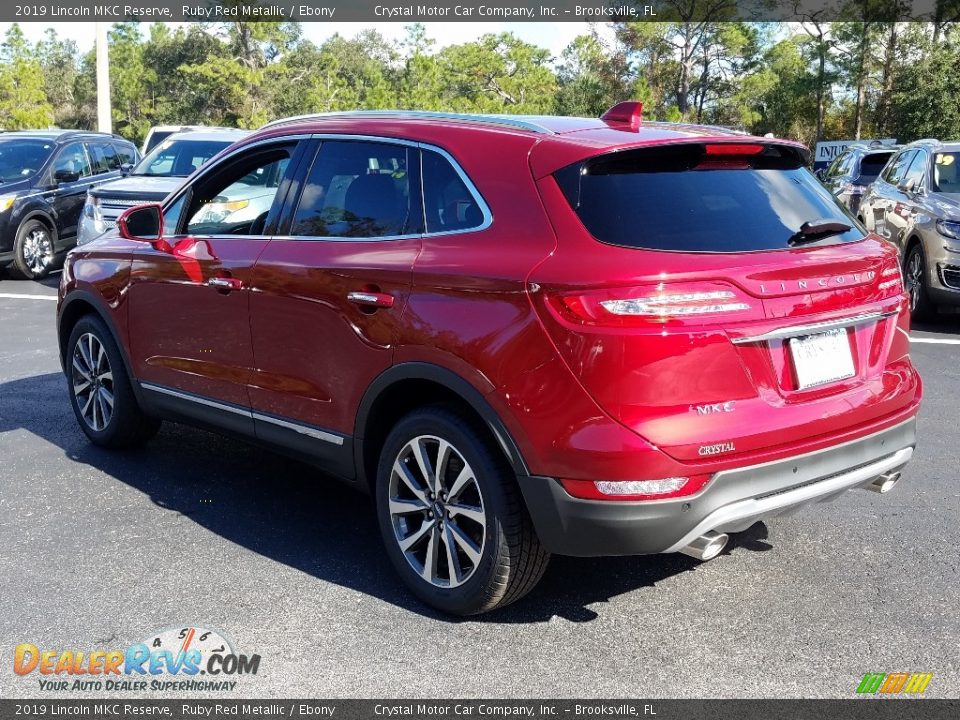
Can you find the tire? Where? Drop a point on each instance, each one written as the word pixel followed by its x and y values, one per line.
pixel 33 250
pixel 100 391
pixel 496 556
pixel 915 278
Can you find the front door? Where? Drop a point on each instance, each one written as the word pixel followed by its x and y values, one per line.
pixel 190 296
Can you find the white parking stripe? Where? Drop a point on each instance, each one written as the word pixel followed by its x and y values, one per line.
pixel 935 341
pixel 23 296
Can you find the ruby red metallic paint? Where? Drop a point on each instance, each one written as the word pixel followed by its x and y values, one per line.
pixel 515 311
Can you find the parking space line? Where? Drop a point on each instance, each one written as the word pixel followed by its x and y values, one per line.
pixel 935 341
pixel 24 296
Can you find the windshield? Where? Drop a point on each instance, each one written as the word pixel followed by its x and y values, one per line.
pixel 178 158
pixel 945 176
pixel 19 159
pixel 696 198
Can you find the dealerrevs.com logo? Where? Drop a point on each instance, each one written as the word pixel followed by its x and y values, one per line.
pixel 185 659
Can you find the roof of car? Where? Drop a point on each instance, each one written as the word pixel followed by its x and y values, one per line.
pixel 57 134
pixel 537 124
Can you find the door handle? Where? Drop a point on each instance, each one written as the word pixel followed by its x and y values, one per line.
pixel 371 299
pixel 225 283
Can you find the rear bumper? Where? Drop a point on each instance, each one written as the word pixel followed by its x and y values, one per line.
pixel 731 502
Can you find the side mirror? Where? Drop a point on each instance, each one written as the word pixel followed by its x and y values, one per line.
pixel 125 168
pixel 143 223
pixel 65 176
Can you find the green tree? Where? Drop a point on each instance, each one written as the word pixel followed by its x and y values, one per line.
pixel 23 100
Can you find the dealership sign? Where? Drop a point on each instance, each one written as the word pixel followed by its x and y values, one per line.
pixel 828 151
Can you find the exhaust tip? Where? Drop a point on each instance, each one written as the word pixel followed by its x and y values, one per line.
pixel 707 546
pixel 885 482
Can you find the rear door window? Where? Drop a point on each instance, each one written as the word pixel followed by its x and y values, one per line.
pixel 361 190
pixel 680 198
pixel 103 157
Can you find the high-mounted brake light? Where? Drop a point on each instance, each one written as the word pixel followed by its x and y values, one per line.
pixel 733 149
pixel 662 489
pixel 629 113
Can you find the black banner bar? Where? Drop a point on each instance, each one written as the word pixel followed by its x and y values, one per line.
pixel 403 11
pixel 863 708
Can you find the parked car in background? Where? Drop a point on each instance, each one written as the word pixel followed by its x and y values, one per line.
pixel 158 133
pixel 522 335
pixel 915 204
pixel 45 176
pixel 154 177
pixel 855 168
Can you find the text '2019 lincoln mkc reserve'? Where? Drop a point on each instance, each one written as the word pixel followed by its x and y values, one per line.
pixel 523 336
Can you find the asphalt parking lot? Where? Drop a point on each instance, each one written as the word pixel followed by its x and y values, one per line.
pixel 102 549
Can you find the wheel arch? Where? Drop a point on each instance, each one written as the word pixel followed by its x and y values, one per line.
pixel 79 304
pixel 405 387
pixel 42 216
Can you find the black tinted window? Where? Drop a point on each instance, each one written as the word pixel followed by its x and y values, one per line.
pixel 127 153
pixel 448 203
pixel 103 157
pixel 360 189
pixel 872 164
pixel 679 198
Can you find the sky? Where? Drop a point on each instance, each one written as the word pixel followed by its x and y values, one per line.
pixel 552 36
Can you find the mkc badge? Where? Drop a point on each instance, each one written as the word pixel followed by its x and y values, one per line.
pixel 712 408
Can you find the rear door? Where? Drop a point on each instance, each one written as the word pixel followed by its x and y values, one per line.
pixel 330 290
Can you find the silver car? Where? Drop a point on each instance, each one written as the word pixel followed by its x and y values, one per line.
pixel 915 203
pixel 159 173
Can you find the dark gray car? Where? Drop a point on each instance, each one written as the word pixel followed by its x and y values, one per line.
pixel 854 170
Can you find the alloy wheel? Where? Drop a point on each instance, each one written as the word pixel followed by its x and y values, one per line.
pixel 92 382
pixel 437 511
pixel 914 279
pixel 38 250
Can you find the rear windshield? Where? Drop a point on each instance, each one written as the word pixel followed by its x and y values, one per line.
pixel 872 165
pixel 682 198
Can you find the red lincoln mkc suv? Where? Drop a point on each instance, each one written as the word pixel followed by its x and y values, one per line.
pixel 522 335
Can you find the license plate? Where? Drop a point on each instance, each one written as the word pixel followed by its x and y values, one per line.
pixel 822 358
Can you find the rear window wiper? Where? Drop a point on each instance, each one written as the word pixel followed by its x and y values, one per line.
pixel 816 229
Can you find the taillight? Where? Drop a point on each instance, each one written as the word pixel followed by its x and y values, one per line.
pixel 664 303
pixel 623 490
pixel 891 279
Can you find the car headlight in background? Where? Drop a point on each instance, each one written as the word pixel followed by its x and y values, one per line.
pixel 91 221
pixel 218 211
pixel 949 229
pixel 6 202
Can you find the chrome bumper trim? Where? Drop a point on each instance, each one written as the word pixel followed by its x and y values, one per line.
pixel 811 328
